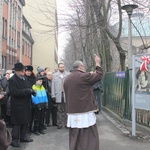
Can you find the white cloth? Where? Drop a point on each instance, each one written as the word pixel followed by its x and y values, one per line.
pixel 81 120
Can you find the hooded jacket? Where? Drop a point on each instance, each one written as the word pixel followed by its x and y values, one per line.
pixel 40 100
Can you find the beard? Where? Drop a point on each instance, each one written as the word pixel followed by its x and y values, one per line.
pixel 61 71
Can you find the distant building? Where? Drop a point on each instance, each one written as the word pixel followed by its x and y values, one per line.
pixel 13 33
pixel 140 31
pixel 142 26
pixel 27 43
pixel 43 19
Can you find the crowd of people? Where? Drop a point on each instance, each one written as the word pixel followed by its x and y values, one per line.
pixel 32 102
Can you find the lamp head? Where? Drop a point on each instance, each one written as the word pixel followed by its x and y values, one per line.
pixel 129 8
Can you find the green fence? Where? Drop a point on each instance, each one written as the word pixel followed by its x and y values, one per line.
pixel 116 97
pixel 115 93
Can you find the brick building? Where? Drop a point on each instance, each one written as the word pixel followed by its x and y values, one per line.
pixel 27 42
pixel 17 41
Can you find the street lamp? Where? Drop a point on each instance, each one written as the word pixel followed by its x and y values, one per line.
pixel 129 9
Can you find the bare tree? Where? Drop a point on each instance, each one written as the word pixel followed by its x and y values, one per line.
pixel 89 24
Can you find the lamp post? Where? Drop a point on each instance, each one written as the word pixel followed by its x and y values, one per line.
pixel 129 9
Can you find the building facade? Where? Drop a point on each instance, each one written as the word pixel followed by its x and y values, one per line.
pixel 43 19
pixel 13 34
pixel 27 43
pixel 140 38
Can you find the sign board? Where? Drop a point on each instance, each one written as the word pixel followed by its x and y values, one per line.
pixel 142 102
pixel 142 83
pixel 140 86
pixel 120 74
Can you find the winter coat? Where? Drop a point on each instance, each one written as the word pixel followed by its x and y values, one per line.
pixel 40 100
pixel 79 92
pixel 5 136
pixel 4 85
pixel 31 80
pixel 20 93
pixel 57 85
pixel 47 85
pixel 97 86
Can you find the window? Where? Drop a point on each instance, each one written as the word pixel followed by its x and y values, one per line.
pixel 30 52
pixel 23 47
pixel 9 41
pixel 10 13
pixel 9 56
pixel 4 62
pixel 4 28
pixel 18 39
pixel 23 25
pixel 27 49
pixel 6 1
pixel 19 12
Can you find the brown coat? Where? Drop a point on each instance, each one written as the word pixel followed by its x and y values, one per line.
pixel 5 136
pixel 78 90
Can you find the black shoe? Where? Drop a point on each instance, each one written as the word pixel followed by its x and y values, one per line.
pixel 48 125
pixel 97 112
pixel 66 127
pixel 36 133
pixel 45 127
pixel 54 124
pixel 15 144
pixel 59 127
pixel 42 132
pixel 26 140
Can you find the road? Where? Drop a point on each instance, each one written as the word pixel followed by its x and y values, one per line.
pixel 112 137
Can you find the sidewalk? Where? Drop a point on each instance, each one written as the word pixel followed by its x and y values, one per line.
pixel 113 136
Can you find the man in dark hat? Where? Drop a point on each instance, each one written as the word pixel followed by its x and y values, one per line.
pixel 20 92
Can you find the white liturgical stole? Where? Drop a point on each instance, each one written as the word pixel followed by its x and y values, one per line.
pixel 81 120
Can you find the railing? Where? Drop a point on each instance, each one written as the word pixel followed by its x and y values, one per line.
pixel 115 90
pixel 116 98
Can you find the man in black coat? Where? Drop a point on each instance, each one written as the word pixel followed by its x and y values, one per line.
pixel 20 92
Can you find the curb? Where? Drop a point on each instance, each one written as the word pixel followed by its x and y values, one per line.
pixel 142 132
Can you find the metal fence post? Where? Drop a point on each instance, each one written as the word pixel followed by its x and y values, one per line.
pixel 126 111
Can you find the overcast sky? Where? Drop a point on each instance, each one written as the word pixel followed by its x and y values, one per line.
pixel 62 7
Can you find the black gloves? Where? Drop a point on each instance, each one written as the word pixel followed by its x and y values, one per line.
pixel 33 93
pixel 53 101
